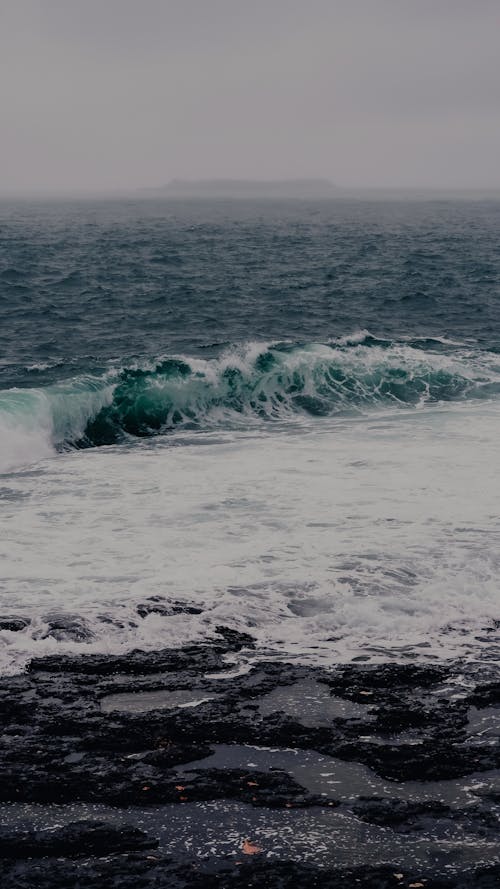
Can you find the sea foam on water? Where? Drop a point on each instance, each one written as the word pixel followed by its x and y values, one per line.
pixel 368 536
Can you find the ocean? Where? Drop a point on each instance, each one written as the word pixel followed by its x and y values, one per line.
pixel 281 417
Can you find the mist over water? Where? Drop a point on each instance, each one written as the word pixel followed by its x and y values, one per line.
pixel 286 413
pixel 117 96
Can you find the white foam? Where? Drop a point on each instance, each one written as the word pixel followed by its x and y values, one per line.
pixel 25 429
pixel 34 421
pixel 323 542
pixel 328 378
pixel 352 339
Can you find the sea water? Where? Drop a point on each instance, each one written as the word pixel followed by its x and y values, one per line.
pixel 283 415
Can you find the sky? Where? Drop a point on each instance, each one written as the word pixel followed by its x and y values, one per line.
pixel 104 95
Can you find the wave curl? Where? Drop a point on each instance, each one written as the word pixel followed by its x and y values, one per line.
pixel 252 383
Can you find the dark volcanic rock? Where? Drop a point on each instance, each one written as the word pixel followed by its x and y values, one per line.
pixel 168 753
pixel 68 691
pixel 397 812
pixel 235 640
pixel 273 789
pixel 382 680
pixel 67 627
pixel 189 660
pixel 486 695
pixel 14 623
pixel 82 838
pixel 428 761
pixel 140 871
pixel 59 745
pixel 160 605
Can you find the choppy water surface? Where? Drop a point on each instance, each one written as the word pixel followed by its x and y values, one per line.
pixel 285 413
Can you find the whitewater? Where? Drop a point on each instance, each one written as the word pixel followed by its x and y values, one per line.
pixel 331 488
pixel 246 384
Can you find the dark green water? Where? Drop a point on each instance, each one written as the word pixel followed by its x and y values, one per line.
pixel 131 318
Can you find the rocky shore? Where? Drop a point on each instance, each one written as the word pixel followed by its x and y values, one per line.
pixel 179 769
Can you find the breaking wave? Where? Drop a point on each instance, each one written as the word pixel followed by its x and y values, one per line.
pixel 249 384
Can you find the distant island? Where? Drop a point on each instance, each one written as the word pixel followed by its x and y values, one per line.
pixel 246 188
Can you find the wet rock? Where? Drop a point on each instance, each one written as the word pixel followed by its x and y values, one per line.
pixel 14 623
pixel 67 627
pixel 380 681
pixel 235 640
pixel 59 746
pixel 81 838
pixel 399 697
pixel 155 871
pixel 113 621
pixel 160 605
pixel 294 875
pixel 428 761
pixel 189 660
pixel 397 813
pixel 275 789
pixel 397 717
pixel 486 695
pixel 169 754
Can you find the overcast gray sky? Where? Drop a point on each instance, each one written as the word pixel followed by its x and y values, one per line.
pixel 110 94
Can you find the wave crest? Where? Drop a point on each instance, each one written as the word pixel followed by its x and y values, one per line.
pixel 279 382
pixel 245 385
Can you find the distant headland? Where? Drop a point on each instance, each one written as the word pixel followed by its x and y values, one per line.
pixel 246 188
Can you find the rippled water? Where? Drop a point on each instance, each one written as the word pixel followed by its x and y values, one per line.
pixel 286 413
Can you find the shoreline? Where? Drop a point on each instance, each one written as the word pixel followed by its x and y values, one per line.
pixel 153 766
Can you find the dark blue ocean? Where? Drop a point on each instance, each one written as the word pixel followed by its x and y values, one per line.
pixel 85 282
pixel 338 360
